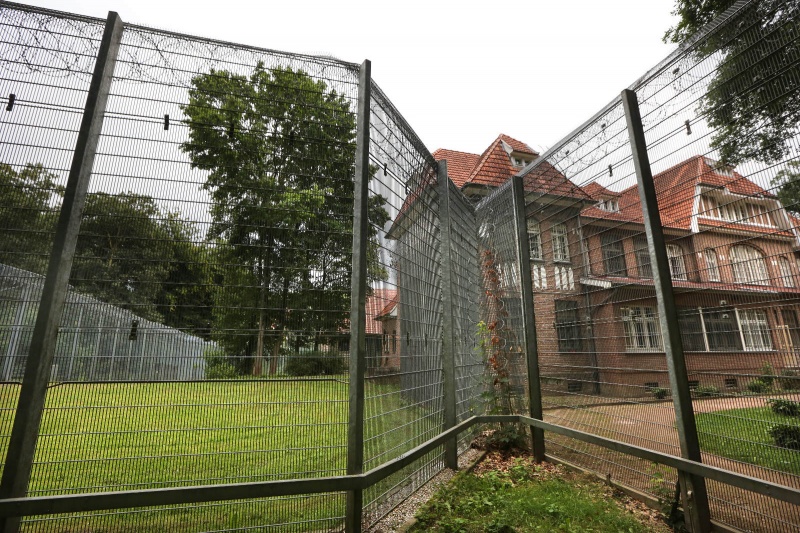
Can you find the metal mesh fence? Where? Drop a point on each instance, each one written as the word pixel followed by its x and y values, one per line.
pixel 404 324
pixel 206 333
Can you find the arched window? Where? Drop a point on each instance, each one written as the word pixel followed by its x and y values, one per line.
pixel 748 265
pixel 535 239
pixel 677 268
pixel 712 267
pixel 786 272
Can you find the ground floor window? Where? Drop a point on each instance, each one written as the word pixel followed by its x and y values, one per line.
pixel 567 326
pixel 642 330
pixel 724 329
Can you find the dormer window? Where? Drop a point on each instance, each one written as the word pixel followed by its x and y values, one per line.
pixel 519 162
pixel 611 205
pixel 740 211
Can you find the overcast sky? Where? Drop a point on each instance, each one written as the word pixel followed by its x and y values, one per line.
pixel 460 72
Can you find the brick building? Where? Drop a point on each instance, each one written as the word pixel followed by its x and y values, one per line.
pixel 733 255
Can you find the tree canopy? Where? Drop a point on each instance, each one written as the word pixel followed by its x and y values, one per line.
pixel 279 148
pixel 753 100
pixel 29 203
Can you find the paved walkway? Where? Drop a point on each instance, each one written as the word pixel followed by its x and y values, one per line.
pixel 652 425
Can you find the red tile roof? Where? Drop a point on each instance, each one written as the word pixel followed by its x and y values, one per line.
pixel 459 164
pixel 375 304
pixel 675 190
pixel 597 191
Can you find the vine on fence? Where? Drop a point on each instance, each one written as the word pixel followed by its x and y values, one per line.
pixel 497 342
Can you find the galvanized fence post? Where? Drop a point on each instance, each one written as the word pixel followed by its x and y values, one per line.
pixel 448 322
pixel 693 488
pixel 25 432
pixel 528 316
pixel 358 295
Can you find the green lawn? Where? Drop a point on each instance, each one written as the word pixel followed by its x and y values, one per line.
pixel 525 498
pixel 100 437
pixel 743 434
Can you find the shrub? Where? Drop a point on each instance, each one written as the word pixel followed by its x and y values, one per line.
pixel 706 392
pixel 784 407
pixel 789 380
pixel 767 374
pixel 218 366
pixel 507 437
pixel 758 386
pixel 659 393
pixel 315 364
pixel 786 436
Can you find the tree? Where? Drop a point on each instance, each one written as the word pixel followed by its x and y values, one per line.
pixel 753 101
pixel 29 202
pixel 787 183
pixel 279 149
pixel 131 254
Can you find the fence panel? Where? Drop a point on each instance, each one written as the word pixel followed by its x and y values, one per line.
pixel 403 405
pixel 721 125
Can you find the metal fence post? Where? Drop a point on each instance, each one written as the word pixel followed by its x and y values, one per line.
pixel 448 322
pixel 693 488
pixel 25 432
pixel 358 295
pixel 528 316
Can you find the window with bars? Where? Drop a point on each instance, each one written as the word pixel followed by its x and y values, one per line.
pixel 724 329
pixel 786 272
pixel 568 326
pixel 748 265
pixel 755 329
pixel 560 244
pixel 677 266
pixel 535 240
pixel 613 254
pixel 712 267
pixel 642 330
pixel 642 255
pixel 736 211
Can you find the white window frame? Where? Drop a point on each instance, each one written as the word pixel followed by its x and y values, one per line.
pixel 677 265
pixel 565 279
pixel 539 276
pixel 535 240
pixel 712 265
pixel 558 232
pixel 754 330
pixel 749 265
pixel 785 267
pixel 642 329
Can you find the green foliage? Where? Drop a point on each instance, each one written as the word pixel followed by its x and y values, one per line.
pixel 278 147
pixel 784 407
pixel 787 184
pixel 662 482
pixel 786 436
pixel 315 364
pixel 753 102
pixel 29 204
pixel 659 393
pixel 789 380
pixel 218 366
pixel 767 373
pixel 743 435
pixel 522 499
pixel 758 386
pixel 706 391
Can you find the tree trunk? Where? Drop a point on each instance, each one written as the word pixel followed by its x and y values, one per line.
pixel 264 278
pixel 281 327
